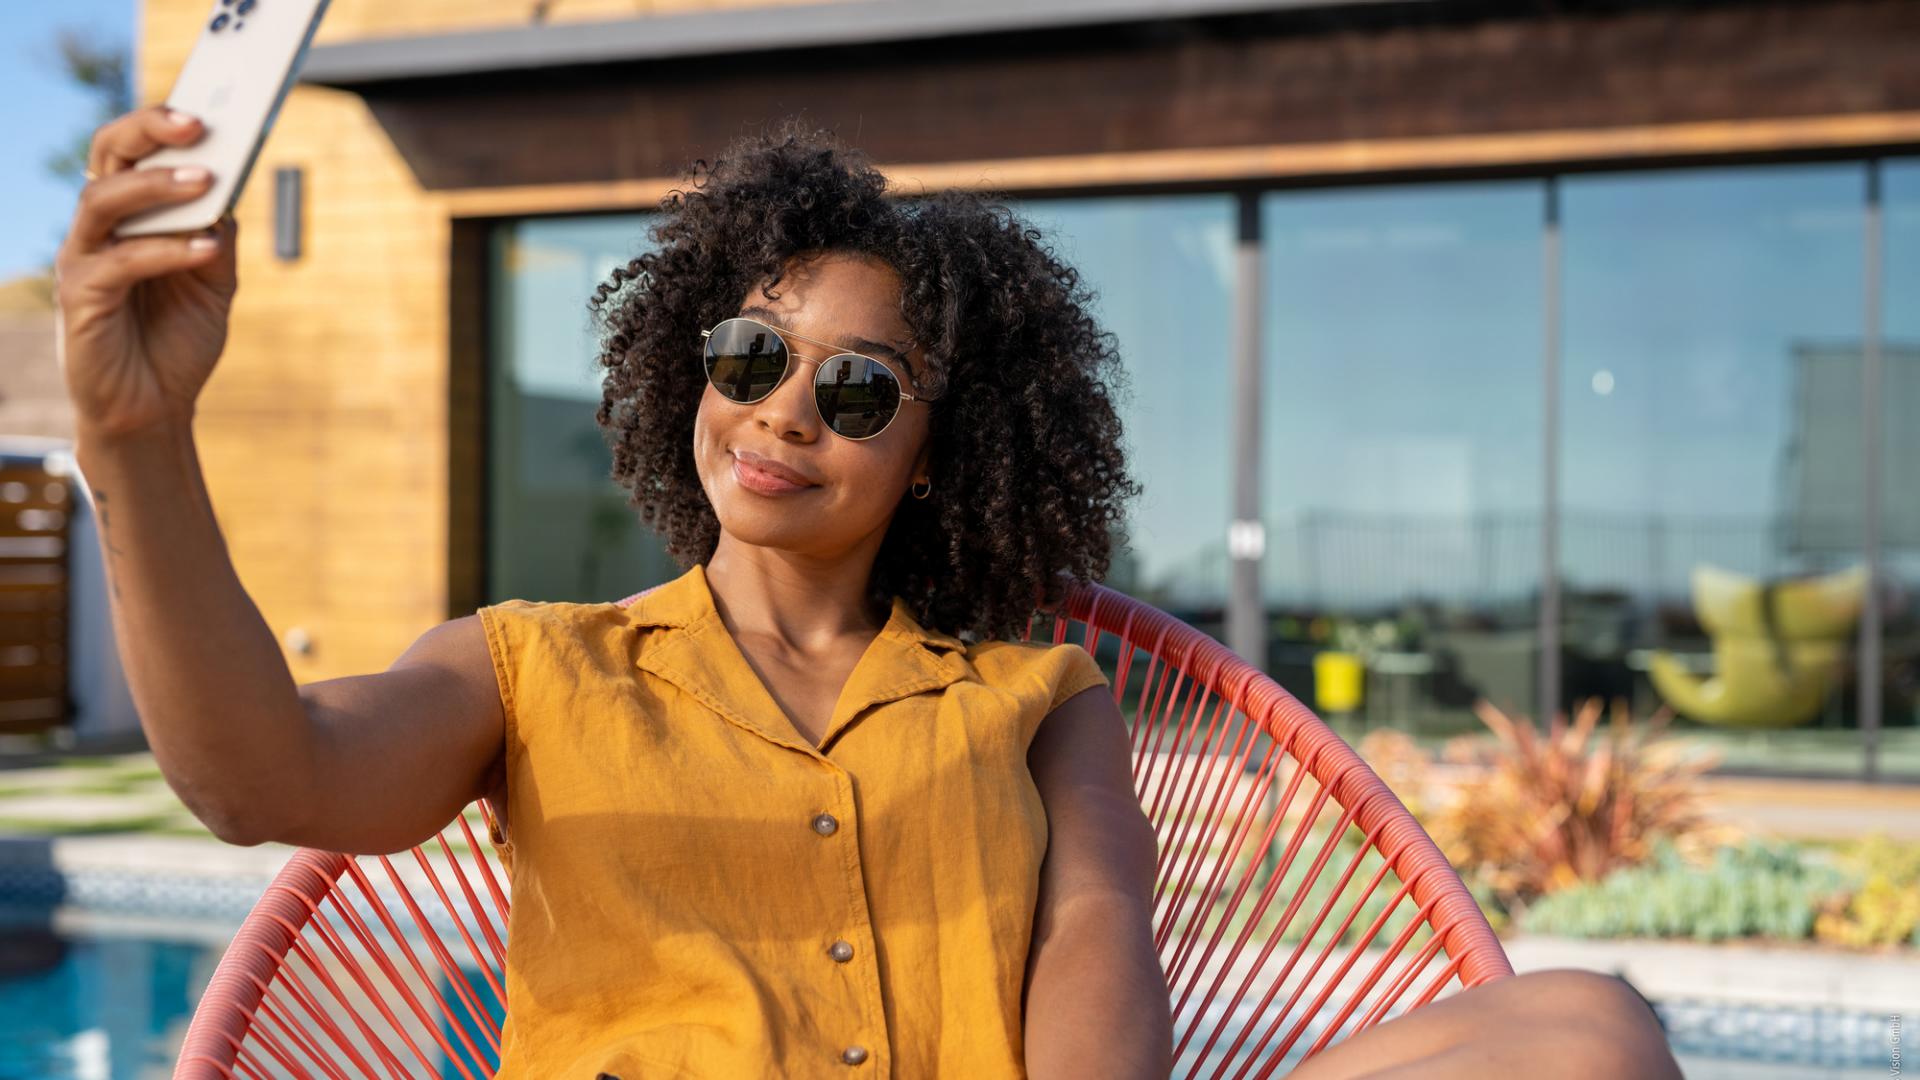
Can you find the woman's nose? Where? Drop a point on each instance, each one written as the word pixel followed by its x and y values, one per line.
pixel 790 407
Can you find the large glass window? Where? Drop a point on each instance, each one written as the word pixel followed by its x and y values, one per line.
pixel 1712 511
pixel 558 528
pixel 1712 496
pixel 1401 469
pixel 1900 506
pixel 1162 269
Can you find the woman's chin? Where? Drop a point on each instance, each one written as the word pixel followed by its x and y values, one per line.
pixel 770 526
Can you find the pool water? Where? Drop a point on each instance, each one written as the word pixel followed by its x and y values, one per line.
pixel 106 1008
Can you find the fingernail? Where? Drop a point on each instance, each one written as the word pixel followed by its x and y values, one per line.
pixel 203 243
pixel 176 117
pixel 190 174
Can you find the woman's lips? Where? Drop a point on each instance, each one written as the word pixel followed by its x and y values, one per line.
pixel 762 481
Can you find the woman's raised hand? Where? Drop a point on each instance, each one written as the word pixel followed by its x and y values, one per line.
pixel 142 319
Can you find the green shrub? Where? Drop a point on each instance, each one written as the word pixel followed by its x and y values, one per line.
pixel 1753 890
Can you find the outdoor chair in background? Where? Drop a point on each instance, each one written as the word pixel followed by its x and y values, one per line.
pixel 1780 648
pixel 1297 900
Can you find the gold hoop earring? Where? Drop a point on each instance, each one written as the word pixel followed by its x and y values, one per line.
pixel 919 494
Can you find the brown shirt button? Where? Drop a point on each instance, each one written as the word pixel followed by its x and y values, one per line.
pixel 824 824
pixel 841 951
pixel 854 1055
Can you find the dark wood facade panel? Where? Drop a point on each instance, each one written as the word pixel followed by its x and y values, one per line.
pixel 466 418
pixel 1196 85
pixel 36 509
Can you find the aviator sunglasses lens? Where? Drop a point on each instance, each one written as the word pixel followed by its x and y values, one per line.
pixel 745 360
pixel 857 396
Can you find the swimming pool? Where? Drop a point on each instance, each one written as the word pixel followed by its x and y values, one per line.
pixel 95 1008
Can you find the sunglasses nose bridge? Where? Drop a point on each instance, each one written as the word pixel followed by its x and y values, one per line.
pixel 792 355
pixel 795 414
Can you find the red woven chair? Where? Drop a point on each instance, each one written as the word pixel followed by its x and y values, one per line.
pixel 1297 901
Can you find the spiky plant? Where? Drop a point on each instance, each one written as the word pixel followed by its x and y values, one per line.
pixel 1572 803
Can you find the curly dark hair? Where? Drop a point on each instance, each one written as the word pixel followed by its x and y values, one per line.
pixel 1029 477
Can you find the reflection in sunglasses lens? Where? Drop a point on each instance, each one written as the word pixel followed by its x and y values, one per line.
pixel 745 360
pixel 857 396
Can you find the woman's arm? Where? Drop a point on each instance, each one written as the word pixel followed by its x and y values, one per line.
pixel 1096 1001
pixel 373 763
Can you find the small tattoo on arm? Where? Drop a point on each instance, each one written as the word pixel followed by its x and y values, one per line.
pixel 100 500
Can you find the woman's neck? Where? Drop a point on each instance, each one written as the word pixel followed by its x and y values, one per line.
pixel 801 600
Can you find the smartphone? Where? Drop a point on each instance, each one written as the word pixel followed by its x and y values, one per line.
pixel 234 81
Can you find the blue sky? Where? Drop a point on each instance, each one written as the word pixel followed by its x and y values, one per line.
pixel 45 110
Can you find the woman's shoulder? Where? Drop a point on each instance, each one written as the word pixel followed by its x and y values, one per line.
pixel 1059 670
pixel 555 610
pixel 1003 650
pixel 523 622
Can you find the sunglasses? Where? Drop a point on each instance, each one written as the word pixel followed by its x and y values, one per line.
pixel 857 395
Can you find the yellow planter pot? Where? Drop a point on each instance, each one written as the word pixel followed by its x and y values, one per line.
pixel 1339 681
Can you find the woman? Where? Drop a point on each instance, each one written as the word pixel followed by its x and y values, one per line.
pixel 797 812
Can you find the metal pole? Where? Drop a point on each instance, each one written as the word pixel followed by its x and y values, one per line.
pixel 1873 413
pixel 1549 688
pixel 1246 536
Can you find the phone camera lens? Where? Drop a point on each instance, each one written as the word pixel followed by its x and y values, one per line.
pixel 245 6
pixel 219 22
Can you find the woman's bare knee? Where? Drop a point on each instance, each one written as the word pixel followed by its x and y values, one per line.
pixel 1607 1028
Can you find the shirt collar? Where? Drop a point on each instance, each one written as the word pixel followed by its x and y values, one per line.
pixel 701 657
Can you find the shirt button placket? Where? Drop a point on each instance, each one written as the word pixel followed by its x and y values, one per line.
pixel 841 950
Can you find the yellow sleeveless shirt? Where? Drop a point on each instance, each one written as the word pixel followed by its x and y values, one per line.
pixel 700 892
